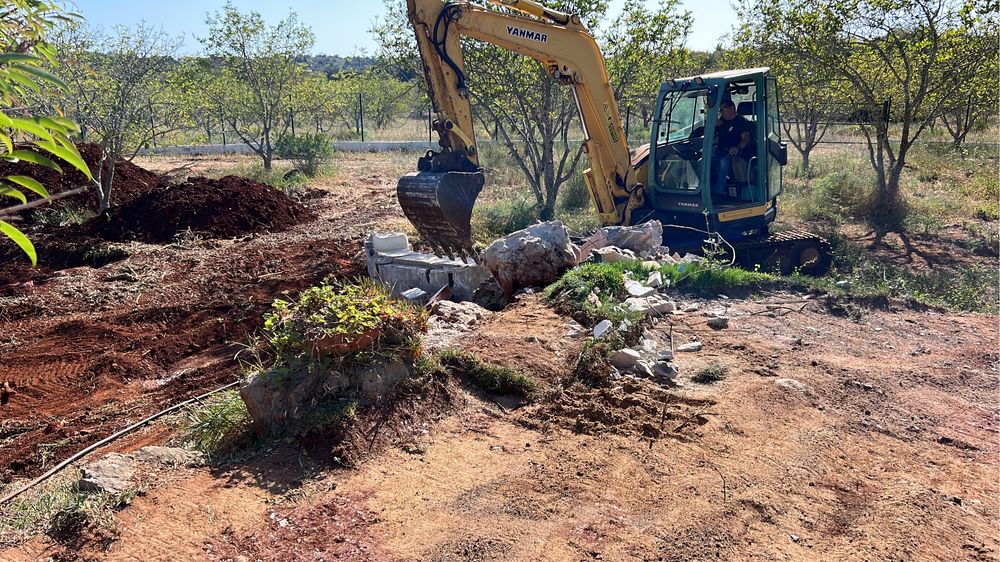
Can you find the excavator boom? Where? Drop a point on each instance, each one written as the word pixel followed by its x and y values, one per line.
pixel 439 197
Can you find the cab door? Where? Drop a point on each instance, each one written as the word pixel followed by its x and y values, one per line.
pixel 776 151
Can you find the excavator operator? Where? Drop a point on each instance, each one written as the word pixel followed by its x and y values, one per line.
pixel 733 132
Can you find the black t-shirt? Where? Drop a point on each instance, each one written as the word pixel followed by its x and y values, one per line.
pixel 729 132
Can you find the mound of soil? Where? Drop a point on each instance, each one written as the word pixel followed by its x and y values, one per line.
pixel 131 181
pixel 221 208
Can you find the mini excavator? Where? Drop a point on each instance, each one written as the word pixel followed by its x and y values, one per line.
pixel 669 179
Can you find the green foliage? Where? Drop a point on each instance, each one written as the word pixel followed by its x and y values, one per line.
pixel 711 373
pixel 493 220
pixel 60 508
pixel 258 74
pixel 711 278
pixel 492 378
pixel 971 289
pixel 307 151
pixel 571 295
pixel 24 75
pixel 343 310
pixel 119 90
pixel 218 424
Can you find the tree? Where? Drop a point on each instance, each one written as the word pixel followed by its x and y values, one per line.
pixel 119 91
pixel 808 97
pixel 532 114
pixel 257 75
pixel 974 102
pixel 643 48
pixel 24 25
pixel 906 51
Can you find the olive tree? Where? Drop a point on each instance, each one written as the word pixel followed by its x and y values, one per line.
pixel 257 73
pixel 118 91
pixel 904 50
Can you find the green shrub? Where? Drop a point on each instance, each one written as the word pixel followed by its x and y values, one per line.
pixel 493 220
pixel 222 421
pixel 496 379
pixel 307 151
pixel 574 195
pixel 347 310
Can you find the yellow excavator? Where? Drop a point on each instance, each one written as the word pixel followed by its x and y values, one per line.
pixel 670 179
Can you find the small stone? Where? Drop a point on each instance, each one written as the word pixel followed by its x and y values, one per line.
pixel 575 329
pixel 170 456
pixel 112 474
pixel 690 308
pixel 690 347
pixel 665 370
pixel 843 284
pixel 718 322
pixel 624 359
pixel 652 305
pixel 415 294
pixel 650 265
pixel 643 369
pixel 793 385
pixel 612 254
pixel 594 300
pixel 666 355
pixel 602 328
pixel 655 279
pixel 637 289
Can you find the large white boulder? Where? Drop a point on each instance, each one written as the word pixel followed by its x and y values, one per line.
pixel 534 256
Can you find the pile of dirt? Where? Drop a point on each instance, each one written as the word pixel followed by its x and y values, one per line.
pixel 222 208
pixel 130 181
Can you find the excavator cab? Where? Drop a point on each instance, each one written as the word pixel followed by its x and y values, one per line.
pixel 688 184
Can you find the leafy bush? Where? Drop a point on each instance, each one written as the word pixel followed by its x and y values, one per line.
pixel 347 310
pixel 307 151
pixel 491 221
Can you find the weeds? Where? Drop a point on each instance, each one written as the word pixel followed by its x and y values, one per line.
pixel 62 510
pixel 712 373
pixel 221 423
pixel 971 289
pixel 492 378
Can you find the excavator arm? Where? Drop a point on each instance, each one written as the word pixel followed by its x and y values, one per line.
pixel 438 199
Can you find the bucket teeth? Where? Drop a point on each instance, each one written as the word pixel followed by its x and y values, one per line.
pixel 440 207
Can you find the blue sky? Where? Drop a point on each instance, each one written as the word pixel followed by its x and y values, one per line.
pixel 341 27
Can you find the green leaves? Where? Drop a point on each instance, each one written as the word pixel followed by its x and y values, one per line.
pixel 21 240
pixel 23 73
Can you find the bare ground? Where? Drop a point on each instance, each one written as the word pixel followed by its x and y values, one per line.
pixel 888 451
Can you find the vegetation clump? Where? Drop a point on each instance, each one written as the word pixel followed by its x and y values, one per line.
pixel 495 379
pixel 712 373
pixel 347 312
pixel 308 151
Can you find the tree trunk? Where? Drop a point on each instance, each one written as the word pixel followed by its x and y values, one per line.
pixel 107 182
pixel 805 162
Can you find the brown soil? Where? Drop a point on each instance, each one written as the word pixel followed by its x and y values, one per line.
pixel 220 208
pixel 87 350
pixel 886 452
pixel 130 182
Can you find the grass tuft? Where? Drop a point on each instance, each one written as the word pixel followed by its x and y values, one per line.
pixel 495 379
pixel 712 373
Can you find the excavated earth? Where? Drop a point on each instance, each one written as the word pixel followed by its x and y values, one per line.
pixel 841 430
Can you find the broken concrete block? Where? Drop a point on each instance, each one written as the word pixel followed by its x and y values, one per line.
pixel 655 279
pixel 112 474
pixel 690 347
pixel 637 289
pixel 665 370
pixel 534 256
pixel 718 322
pixel 170 456
pixel 643 369
pixel 415 294
pixel 393 242
pixel 625 359
pixel 612 255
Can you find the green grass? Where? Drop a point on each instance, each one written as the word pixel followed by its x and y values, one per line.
pixel 218 425
pixel 711 373
pixel 59 508
pixel 495 379
pixel 971 289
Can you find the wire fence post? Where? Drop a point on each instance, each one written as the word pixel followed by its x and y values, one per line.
pixel 152 125
pixel 361 115
pixel 291 114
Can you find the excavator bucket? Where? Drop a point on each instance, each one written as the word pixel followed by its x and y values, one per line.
pixel 440 206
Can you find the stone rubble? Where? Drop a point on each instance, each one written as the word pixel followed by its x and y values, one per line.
pixel 690 347
pixel 111 474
